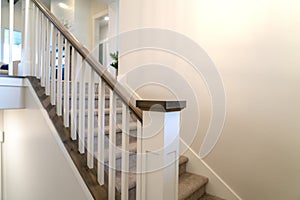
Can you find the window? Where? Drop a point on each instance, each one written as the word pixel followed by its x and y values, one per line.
pixel 17 46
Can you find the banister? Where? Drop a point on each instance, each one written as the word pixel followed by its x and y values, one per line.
pixel 113 83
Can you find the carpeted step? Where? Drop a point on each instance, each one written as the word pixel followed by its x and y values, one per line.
pixel 132 128
pixel 210 197
pixel 191 186
pixel 86 112
pixel 132 150
pixel 182 164
pixel 132 177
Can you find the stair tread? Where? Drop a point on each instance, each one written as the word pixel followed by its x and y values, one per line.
pixel 210 197
pixel 132 150
pixel 183 180
pixel 190 183
pixel 106 110
pixel 131 180
pixel 132 126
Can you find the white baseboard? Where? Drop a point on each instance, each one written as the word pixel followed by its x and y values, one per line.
pixel 216 186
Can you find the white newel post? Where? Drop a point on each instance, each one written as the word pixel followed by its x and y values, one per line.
pixel 158 150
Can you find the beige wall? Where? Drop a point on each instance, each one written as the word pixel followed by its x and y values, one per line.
pixel 255 46
pixel 97 6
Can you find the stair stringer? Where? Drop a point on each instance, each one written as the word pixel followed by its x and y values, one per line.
pixel 57 138
pixel 216 184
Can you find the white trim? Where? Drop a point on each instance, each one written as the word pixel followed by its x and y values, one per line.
pixel 59 142
pixel 100 14
pixel 94 21
pixel 220 187
pixel 14 82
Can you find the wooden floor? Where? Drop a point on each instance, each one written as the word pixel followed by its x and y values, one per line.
pixel 89 176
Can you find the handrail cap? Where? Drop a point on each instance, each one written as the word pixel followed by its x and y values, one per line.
pixel 160 105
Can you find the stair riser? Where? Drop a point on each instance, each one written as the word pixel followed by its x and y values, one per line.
pixel 132 164
pixel 182 169
pixel 198 194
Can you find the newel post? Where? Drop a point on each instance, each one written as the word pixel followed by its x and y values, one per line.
pixel 158 149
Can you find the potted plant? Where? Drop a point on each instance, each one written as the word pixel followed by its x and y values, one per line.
pixel 115 63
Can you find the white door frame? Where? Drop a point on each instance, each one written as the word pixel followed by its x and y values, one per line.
pixel 95 23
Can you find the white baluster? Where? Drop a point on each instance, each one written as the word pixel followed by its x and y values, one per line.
pixel 125 151
pixel 59 76
pixel 11 36
pixel 27 64
pixel 33 32
pixel 43 38
pixel 112 146
pixel 101 131
pixel 91 119
pixel 81 109
pixel 47 90
pixel 139 168
pixel 74 95
pixel 38 44
pixel 67 84
pixel 53 65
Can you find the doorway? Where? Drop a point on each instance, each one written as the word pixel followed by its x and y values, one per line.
pixel 101 23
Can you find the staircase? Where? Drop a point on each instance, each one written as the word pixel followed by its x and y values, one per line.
pixel 107 132
pixel 191 186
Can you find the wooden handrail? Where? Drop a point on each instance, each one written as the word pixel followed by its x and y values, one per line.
pixel 112 82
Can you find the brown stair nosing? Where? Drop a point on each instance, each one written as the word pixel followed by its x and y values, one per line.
pixel 189 184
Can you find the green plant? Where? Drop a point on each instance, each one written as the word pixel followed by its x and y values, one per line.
pixel 115 57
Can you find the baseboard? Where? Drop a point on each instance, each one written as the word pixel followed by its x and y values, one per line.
pixel 216 185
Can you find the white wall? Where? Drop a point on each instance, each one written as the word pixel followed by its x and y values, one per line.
pixel 35 166
pixel 1 120
pixel 64 12
pixel 12 93
pixel 255 46
pixel 82 22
